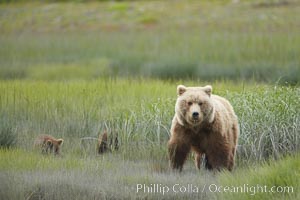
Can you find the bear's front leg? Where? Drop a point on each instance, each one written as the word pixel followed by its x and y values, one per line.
pixel 219 158
pixel 177 154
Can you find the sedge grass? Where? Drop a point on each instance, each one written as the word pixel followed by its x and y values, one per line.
pixel 141 112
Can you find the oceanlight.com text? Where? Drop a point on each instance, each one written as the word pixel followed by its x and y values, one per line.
pixel 158 188
pixel 250 189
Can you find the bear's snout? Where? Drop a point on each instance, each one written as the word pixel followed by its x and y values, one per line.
pixel 195 115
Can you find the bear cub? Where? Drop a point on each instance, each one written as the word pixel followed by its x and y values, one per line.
pixel 207 125
pixel 107 142
pixel 48 144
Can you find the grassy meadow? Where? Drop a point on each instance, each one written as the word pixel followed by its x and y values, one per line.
pixel 75 69
pixel 157 39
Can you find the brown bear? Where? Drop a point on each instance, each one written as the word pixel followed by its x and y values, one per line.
pixel 48 144
pixel 206 124
pixel 107 143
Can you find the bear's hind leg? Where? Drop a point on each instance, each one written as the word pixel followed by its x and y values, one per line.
pixel 198 159
pixel 231 159
pixel 207 164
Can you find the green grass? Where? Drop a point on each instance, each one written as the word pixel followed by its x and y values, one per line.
pixel 19 160
pixel 141 111
pixel 160 39
pixel 33 175
pixel 260 180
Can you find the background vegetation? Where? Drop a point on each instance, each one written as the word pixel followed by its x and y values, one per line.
pixel 74 69
pixel 159 39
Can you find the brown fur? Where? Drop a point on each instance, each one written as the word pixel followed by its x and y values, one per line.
pixel 213 132
pixel 48 144
pixel 107 142
pixel 102 143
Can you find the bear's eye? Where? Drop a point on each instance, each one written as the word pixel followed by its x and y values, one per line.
pixel 200 103
pixel 190 103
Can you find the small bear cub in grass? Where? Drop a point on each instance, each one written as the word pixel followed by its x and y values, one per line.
pixel 107 142
pixel 48 144
pixel 206 124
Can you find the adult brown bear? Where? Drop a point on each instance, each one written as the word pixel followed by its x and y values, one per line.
pixel 206 124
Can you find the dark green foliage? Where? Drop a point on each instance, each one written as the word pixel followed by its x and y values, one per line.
pixel 7 134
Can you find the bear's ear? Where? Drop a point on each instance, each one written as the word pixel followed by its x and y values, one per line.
pixel 60 141
pixel 181 89
pixel 48 142
pixel 208 89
